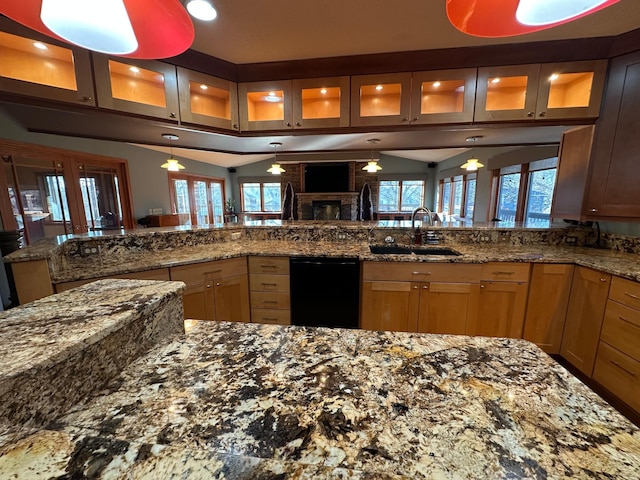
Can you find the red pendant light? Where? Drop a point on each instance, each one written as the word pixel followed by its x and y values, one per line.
pixel 499 18
pixel 157 28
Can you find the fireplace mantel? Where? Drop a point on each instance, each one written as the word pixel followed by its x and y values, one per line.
pixel 348 204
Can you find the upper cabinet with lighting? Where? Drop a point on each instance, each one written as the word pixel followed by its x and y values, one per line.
pixel 321 102
pixel 265 105
pixel 547 91
pixel 380 99
pixel 143 87
pixel 38 66
pixel 206 100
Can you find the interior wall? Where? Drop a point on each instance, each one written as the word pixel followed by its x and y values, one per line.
pixel 149 183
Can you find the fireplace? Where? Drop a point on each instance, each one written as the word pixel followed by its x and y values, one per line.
pixel 328 206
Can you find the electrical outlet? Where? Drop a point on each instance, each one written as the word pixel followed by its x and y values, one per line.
pixel 235 236
pixel 89 248
pixel 570 240
pixel 341 236
pixel 484 238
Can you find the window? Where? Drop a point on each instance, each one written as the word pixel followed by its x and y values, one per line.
pixel 457 196
pixel 400 195
pixel 523 193
pixel 260 197
pixel 200 200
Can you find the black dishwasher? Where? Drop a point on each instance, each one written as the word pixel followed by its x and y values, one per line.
pixel 325 292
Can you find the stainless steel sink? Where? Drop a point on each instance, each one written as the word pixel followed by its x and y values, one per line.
pixel 406 250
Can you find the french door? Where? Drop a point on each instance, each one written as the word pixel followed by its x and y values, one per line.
pixel 199 199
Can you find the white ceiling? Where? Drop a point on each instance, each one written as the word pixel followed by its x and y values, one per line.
pixel 281 30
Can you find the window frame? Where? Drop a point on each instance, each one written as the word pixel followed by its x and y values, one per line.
pixel 261 182
pixel 456 181
pixel 400 180
pixel 191 179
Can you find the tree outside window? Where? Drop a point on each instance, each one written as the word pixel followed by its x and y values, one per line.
pixel 198 199
pixel 457 196
pixel 400 195
pixel 261 197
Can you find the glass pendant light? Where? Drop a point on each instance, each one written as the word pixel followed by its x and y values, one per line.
pixel 372 165
pixel 473 164
pixel 172 164
pixel 276 169
pixel 99 25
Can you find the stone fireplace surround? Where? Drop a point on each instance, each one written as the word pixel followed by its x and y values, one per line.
pixel 348 204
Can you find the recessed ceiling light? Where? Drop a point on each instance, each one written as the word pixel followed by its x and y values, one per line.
pixel 272 97
pixel 134 69
pixel 436 84
pixel 323 91
pixel 495 80
pixel 202 10
pixel 40 46
pixel 204 87
pixel 378 87
pixel 554 76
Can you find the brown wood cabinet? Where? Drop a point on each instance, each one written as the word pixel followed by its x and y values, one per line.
pixel 141 87
pixel 321 102
pixel 589 291
pixel 549 291
pixel 424 297
pixel 217 290
pixel 269 285
pixel 503 300
pixel 35 65
pixel 380 99
pixel 156 274
pixel 266 105
pixel 207 100
pixel 617 366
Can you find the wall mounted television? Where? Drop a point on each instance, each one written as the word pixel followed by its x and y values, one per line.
pixel 326 177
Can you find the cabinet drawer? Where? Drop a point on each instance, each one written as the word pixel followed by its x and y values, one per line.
pixel 201 272
pixel 269 283
pixel 277 317
pixel 421 272
pixel 621 329
pixel 506 272
pixel 625 291
pixel 619 374
pixel 274 265
pixel 274 301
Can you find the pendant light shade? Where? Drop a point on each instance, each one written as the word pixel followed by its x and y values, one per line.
pixel 473 164
pixel 172 164
pixel 201 9
pixel 276 169
pixel 151 29
pixel 372 165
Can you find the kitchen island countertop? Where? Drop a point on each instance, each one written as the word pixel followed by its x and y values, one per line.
pixel 244 401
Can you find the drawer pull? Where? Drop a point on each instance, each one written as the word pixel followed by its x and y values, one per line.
pixel 268 284
pixel 633 374
pixel 415 287
pixel 636 297
pixel 213 271
pixel 268 266
pixel 270 318
pixel 425 287
pixel 269 301
pixel 626 320
pixel 504 273
pixel 420 273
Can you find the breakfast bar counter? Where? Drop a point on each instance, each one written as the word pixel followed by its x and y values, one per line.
pixel 234 400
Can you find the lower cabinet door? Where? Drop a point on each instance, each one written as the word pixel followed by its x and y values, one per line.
pixel 447 307
pixel 501 310
pixel 198 302
pixel 390 306
pixel 232 299
pixel 618 373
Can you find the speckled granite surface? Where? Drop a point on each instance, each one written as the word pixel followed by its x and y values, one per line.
pixel 58 349
pixel 259 401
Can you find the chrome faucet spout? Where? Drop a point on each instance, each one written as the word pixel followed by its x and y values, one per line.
pixel 415 212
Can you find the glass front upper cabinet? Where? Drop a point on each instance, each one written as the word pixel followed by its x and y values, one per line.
pixel 507 93
pixel 143 87
pixel 380 99
pixel 265 105
pixel 38 66
pixel 571 90
pixel 206 100
pixel 444 96
pixel 321 102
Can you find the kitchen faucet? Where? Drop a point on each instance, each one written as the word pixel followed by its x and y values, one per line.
pixel 416 237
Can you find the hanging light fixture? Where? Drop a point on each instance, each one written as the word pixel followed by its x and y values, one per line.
pixel 276 169
pixel 372 165
pixel 136 29
pixel 172 164
pixel 473 163
pixel 201 9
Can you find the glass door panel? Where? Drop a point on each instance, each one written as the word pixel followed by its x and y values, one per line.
pixel 321 102
pixel 380 100
pixel 568 90
pixel 506 93
pixel 265 106
pixel 101 200
pixel 217 201
pixel 210 101
pixel 509 188
pixel 445 96
pixel 135 84
pixel 201 203
pixel 181 200
pixel 36 62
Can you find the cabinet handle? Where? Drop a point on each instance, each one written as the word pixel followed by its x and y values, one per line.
pixel 415 287
pixel 530 114
pixel 269 301
pixel 288 124
pixel 420 273
pixel 425 287
pixel 298 124
pixel 213 271
pixel 172 115
pixel 270 318
pixel 626 320
pixel 542 114
pixel 217 284
pixel 603 280
pixel 633 374
pixel 267 266
pixel 593 210
pixel 208 285
pixel 635 297
pixel 415 119
pixel 405 119
pixel 268 284
pixel 235 126
pixel 85 98
pixel 482 286
pixel 503 273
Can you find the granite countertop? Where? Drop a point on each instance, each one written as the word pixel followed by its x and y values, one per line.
pixel 249 401
pixel 607 261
